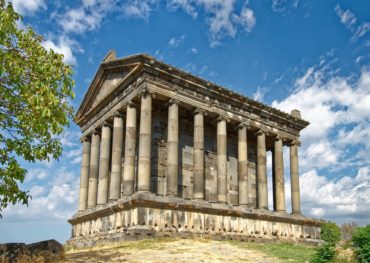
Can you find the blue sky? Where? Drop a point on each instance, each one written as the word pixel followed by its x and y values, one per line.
pixel 310 55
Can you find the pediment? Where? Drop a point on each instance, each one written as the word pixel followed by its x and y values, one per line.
pixel 109 84
pixel 106 81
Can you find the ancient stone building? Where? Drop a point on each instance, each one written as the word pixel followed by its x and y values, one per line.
pixel 166 153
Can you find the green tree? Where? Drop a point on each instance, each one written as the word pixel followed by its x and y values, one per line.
pixel 361 243
pixel 330 233
pixel 35 90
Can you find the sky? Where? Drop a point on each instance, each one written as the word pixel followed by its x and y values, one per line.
pixel 309 55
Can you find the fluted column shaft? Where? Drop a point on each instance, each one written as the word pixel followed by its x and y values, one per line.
pixel 294 179
pixel 94 170
pixel 243 166
pixel 117 143
pixel 145 142
pixel 130 149
pixel 279 191
pixel 173 149
pixel 198 155
pixel 104 165
pixel 262 171
pixel 221 161
pixel 84 178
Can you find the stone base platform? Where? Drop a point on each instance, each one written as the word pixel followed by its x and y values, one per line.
pixel 144 215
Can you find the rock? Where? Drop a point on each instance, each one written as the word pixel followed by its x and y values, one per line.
pixel 44 251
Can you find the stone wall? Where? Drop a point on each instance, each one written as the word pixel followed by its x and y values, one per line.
pixel 143 216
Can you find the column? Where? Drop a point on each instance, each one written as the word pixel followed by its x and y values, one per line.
pixel 104 165
pixel 145 142
pixel 173 148
pixel 130 150
pixel 243 166
pixel 84 178
pixel 279 191
pixel 117 143
pixel 221 161
pixel 94 170
pixel 198 155
pixel 261 170
pixel 294 178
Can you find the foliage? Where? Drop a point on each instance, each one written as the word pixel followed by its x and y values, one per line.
pixel 324 253
pixel 330 233
pixel 35 89
pixel 347 230
pixel 361 243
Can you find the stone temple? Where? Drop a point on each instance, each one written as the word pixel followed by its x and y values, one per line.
pixel 166 153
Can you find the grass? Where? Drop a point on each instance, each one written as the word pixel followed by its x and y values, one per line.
pixel 284 251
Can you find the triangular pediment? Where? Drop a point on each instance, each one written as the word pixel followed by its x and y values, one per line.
pixel 110 76
pixel 109 84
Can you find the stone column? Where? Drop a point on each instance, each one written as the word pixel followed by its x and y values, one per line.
pixel 294 178
pixel 94 170
pixel 198 155
pixel 279 191
pixel 104 165
pixel 173 148
pixel 243 166
pixel 145 142
pixel 117 143
pixel 221 161
pixel 261 170
pixel 84 178
pixel 130 150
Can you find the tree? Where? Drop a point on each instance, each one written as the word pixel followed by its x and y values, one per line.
pixel 35 90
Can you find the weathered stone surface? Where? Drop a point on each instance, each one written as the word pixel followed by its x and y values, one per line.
pixel 44 251
pixel 145 215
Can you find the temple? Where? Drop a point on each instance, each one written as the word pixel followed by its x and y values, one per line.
pixel 166 153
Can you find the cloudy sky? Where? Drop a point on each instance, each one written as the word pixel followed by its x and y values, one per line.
pixel 310 55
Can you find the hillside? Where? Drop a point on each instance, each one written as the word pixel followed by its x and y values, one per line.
pixel 187 250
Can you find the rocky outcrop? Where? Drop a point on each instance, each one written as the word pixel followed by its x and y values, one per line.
pixel 43 251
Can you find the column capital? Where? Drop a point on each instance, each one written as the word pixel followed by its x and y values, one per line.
pixel 294 142
pixel 199 111
pixel 132 104
pixel 242 125
pixel 145 91
pixel 106 124
pixel 118 114
pixel 85 138
pixel 172 101
pixel 261 131
pixel 222 118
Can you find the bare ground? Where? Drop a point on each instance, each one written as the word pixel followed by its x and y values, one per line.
pixel 178 250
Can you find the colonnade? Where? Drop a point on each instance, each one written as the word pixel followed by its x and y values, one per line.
pixel 99 185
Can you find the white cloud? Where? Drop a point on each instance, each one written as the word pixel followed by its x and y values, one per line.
pixel 176 42
pixel 361 31
pixel 87 17
pixel 194 50
pixel 220 15
pixel 64 46
pixel 260 93
pixel 186 5
pixel 343 200
pixel 55 201
pixel 138 8
pixel 347 18
pixel 247 19
pixel 28 7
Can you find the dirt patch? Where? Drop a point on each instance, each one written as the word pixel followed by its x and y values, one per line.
pixel 181 250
